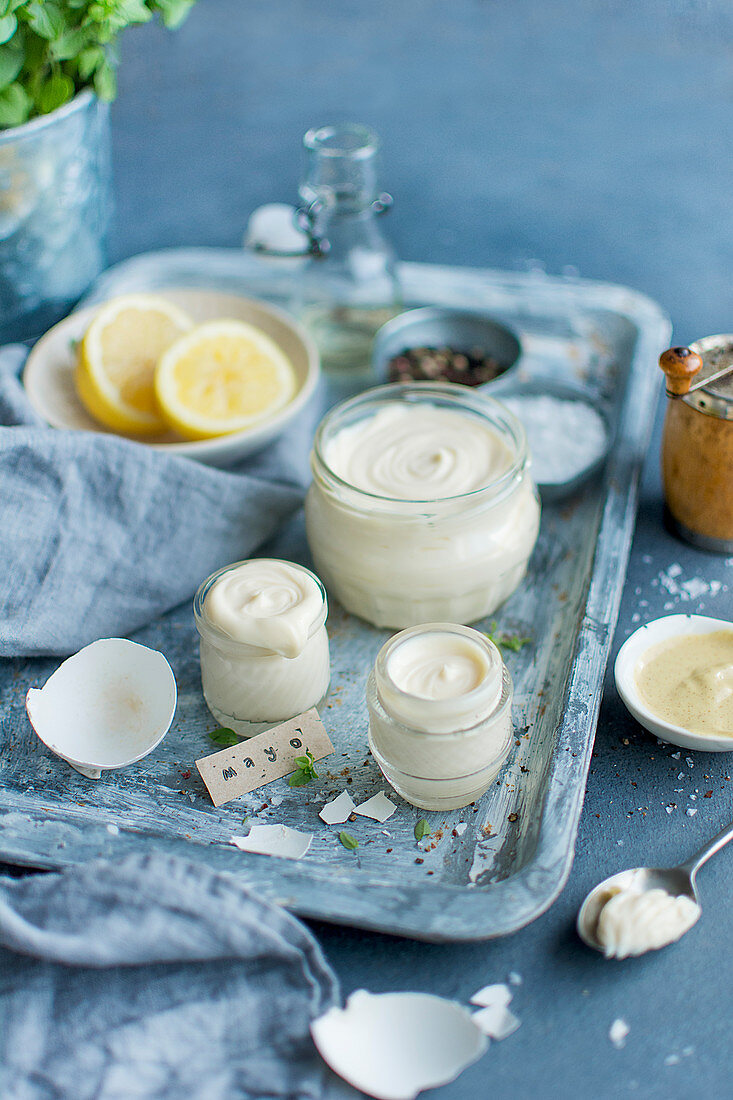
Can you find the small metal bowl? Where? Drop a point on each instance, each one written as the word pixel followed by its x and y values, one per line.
pixel 436 327
pixel 566 391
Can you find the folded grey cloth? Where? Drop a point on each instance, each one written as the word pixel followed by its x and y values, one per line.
pixel 99 535
pixel 155 977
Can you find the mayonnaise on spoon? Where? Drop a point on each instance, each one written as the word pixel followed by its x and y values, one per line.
pixel 645 908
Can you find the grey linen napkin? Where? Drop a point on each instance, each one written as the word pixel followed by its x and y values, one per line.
pixel 155 977
pixel 99 535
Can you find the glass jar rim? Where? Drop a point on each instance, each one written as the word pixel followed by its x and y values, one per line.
pixel 83 99
pixel 364 141
pixel 476 404
pixel 381 672
pixel 204 623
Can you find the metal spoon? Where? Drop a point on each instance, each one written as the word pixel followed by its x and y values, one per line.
pixel 675 880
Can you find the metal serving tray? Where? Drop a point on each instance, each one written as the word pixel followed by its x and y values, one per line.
pixel 510 861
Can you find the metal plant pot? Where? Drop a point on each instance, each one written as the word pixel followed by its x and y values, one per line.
pixel 55 201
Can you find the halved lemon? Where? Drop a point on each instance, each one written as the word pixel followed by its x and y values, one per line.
pixel 117 359
pixel 222 377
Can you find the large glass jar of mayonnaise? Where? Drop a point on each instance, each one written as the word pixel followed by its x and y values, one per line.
pixel 422 506
pixel 264 646
pixel 439 701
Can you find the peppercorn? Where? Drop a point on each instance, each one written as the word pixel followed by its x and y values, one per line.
pixel 428 364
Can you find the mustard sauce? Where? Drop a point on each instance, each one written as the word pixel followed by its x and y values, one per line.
pixel 688 681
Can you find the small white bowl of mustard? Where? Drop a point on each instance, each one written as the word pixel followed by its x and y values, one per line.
pixel 675 676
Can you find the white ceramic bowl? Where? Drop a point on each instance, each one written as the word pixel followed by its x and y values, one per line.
pixel 49 373
pixel 659 630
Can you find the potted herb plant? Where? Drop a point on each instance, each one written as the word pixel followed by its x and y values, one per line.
pixel 57 76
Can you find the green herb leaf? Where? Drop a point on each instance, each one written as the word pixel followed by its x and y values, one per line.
pixel 173 12
pixel 105 82
pixel 224 736
pixel 12 57
pixel 45 18
pixel 15 105
pixel 54 92
pixel 8 27
pixel 349 841
pixel 305 771
pixel 133 11
pixel 89 61
pixel 421 829
pixel 515 642
pixel 71 44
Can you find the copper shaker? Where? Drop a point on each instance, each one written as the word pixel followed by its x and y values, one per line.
pixel 697 444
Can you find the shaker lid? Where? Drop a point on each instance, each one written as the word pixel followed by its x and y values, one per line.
pixel 716 397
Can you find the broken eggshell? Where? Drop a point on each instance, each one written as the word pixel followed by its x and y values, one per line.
pixel 274 840
pixel 394 1045
pixel 106 707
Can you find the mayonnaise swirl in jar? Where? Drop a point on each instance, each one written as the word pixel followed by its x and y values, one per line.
pixel 439 701
pixel 424 453
pixel 421 507
pixel 264 646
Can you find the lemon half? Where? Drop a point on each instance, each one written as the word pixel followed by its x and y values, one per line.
pixel 222 377
pixel 117 360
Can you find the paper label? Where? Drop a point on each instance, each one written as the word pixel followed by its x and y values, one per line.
pixel 270 755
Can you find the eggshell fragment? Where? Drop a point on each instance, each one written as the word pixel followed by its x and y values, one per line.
pixel 492 995
pixel 496 1021
pixel 338 810
pixel 394 1045
pixel 274 840
pixel 494 1017
pixel 618 1033
pixel 107 706
pixel 378 807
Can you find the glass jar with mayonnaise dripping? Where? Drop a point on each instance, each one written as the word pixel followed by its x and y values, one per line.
pixel 422 506
pixel 264 646
pixel 439 701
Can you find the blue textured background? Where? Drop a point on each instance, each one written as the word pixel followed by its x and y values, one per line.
pixel 589 135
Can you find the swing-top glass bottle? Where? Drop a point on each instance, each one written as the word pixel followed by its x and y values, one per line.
pixel 349 287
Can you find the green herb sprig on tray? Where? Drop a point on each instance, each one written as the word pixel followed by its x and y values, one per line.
pixel 349 841
pixel 305 771
pixel 514 642
pixel 421 829
pixel 52 49
pixel 224 737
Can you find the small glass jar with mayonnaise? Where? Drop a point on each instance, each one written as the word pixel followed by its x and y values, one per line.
pixel 264 646
pixel 440 727
pixel 422 506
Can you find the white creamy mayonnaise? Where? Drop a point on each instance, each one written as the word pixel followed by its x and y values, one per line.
pixel 439 702
pixel 421 512
pixel 408 452
pixel 633 921
pixel 265 603
pixel 438 666
pixel 264 646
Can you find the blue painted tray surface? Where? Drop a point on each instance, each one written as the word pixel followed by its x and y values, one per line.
pixel 486 870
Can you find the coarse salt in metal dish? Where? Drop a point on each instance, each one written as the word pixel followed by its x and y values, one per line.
pixel 568 431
